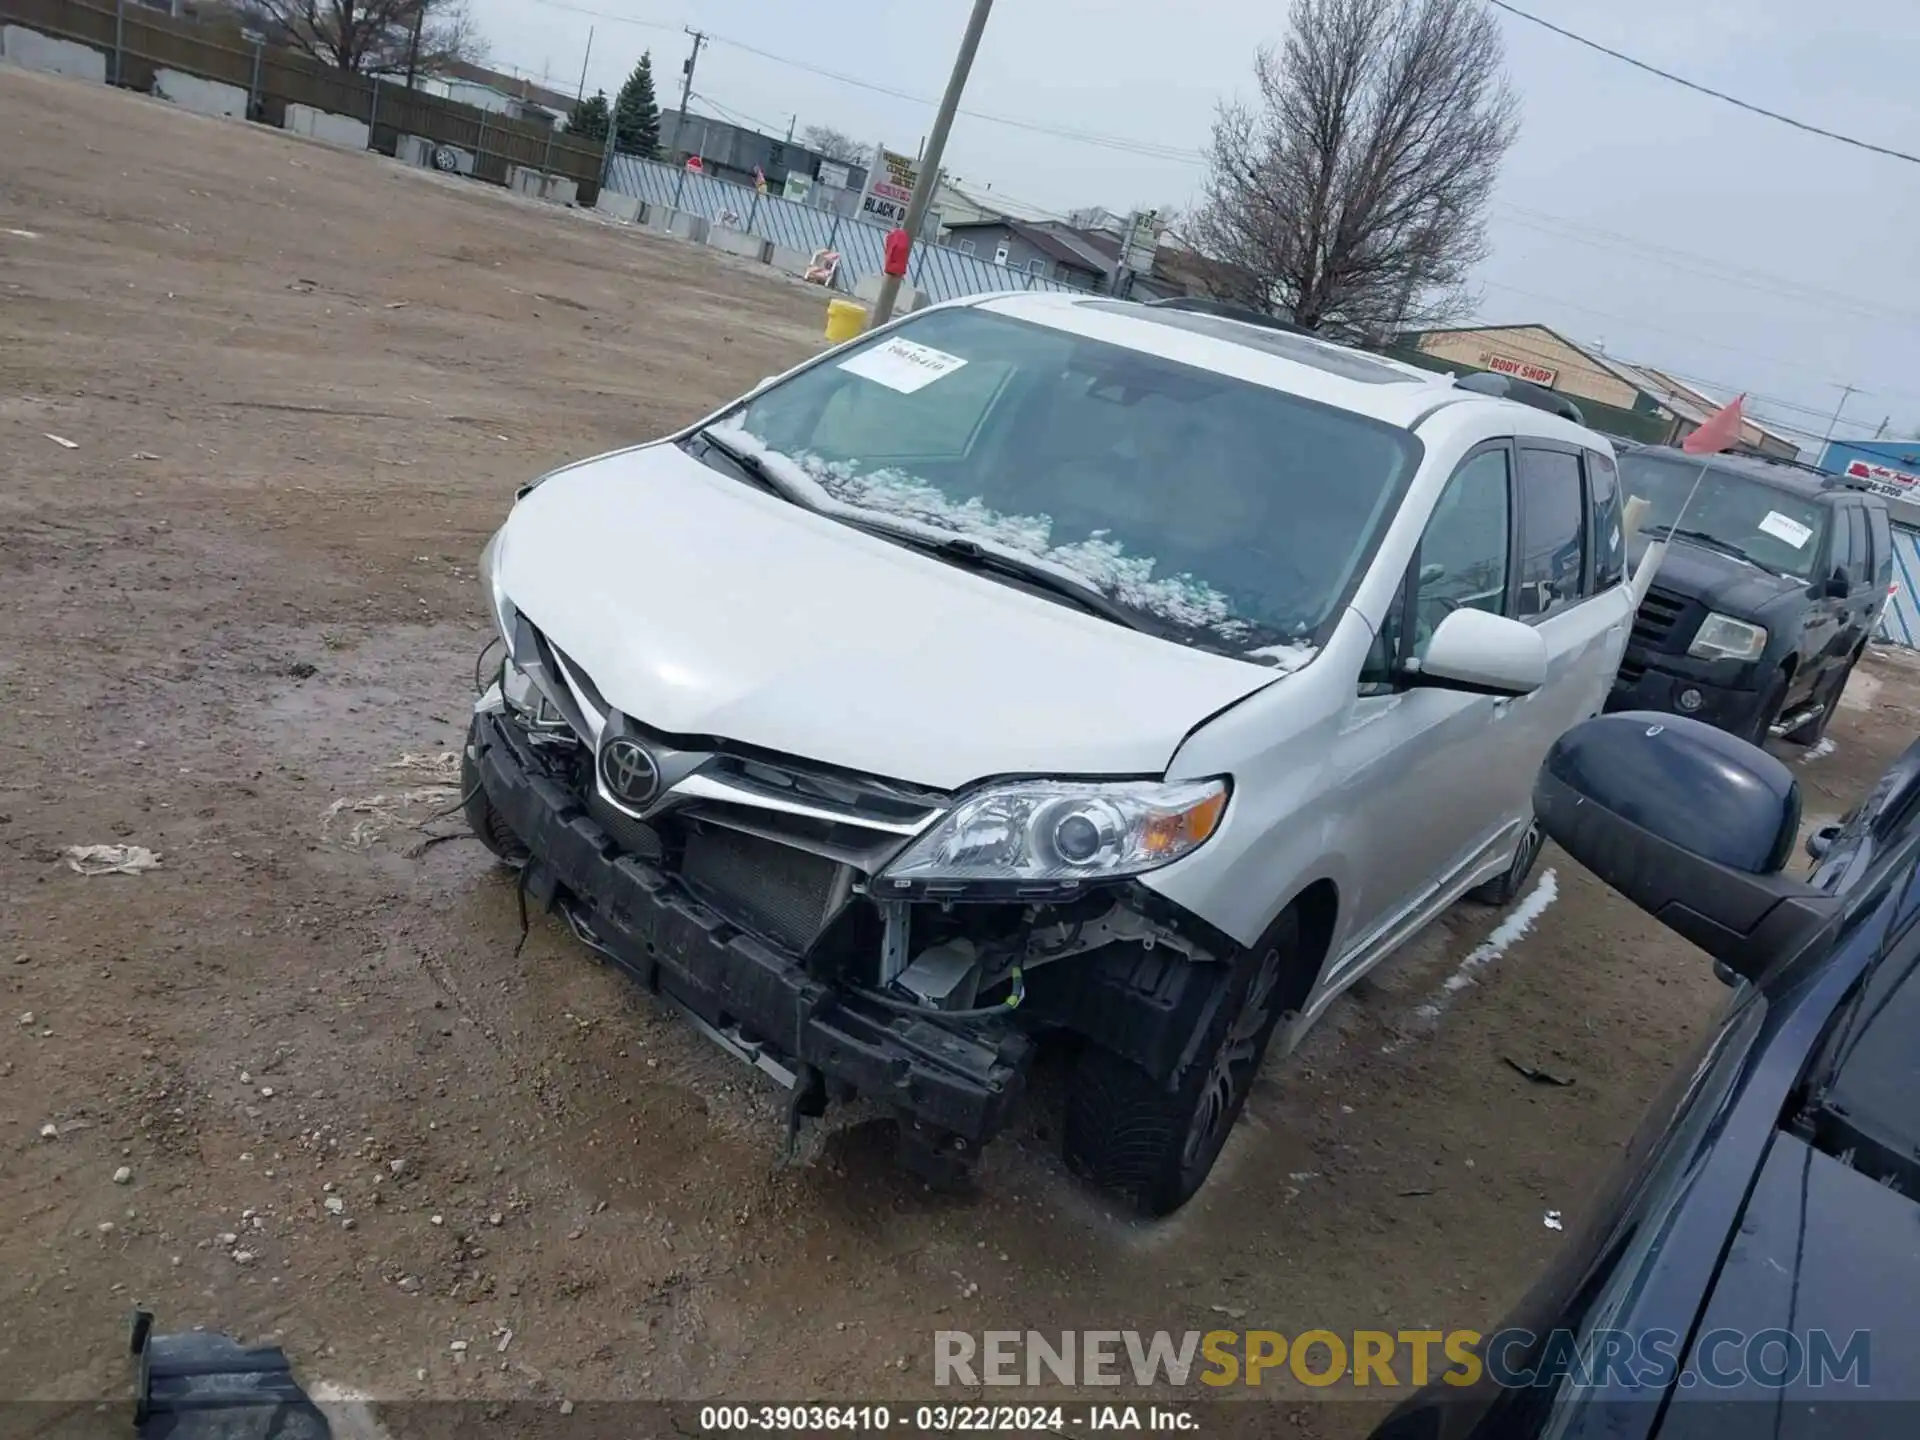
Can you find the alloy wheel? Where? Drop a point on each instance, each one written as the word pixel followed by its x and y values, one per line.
pixel 1232 1069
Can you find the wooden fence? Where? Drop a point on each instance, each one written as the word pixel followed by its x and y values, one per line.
pixel 138 41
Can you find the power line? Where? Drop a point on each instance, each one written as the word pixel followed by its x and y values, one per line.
pixel 1091 137
pixel 1741 350
pixel 603 15
pixel 1122 143
pixel 1706 90
pixel 731 116
pixel 1688 262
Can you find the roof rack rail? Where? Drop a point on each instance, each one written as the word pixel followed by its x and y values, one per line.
pixel 1507 387
pixel 1227 310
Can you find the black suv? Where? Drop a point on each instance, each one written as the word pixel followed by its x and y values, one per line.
pixel 1771 587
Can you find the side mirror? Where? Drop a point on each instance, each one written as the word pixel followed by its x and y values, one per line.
pixel 1482 654
pixel 1838 586
pixel 1689 823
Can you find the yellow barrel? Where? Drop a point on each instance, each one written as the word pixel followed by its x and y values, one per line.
pixel 845 319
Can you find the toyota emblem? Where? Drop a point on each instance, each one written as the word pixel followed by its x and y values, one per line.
pixel 628 771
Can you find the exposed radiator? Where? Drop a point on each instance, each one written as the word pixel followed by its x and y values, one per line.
pixel 774 890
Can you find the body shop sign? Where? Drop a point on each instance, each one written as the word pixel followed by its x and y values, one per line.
pixel 1883 479
pixel 889 188
pixel 1519 369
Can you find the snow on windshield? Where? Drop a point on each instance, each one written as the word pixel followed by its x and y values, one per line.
pixel 1099 560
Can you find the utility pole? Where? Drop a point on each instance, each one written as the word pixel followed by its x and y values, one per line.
pixel 686 89
pixel 580 95
pixel 1846 391
pixel 795 120
pixel 929 171
pixel 413 41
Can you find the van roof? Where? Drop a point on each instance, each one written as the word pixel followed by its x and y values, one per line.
pixel 1300 364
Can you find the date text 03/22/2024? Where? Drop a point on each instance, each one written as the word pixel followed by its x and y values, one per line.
pixel 943 1419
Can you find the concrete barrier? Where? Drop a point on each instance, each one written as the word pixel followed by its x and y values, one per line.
pixel 202 97
pixel 738 242
pixel 325 125
pixel 34 51
pixel 867 289
pixel 692 227
pixel 541 185
pixel 794 262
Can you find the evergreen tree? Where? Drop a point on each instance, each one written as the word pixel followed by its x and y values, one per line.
pixel 636 114
pixel 589 118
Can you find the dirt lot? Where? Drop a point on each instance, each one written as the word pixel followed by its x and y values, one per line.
pixel 301 386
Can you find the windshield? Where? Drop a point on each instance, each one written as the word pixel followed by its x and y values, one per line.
pixel 1232 516
pixel 1767 526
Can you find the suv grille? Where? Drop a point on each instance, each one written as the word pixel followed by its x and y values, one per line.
pixel 1658 614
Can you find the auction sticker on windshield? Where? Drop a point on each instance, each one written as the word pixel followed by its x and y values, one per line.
pixel 1785 527
pixel 902 365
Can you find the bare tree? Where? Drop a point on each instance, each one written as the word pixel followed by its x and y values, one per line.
pixel 373 37
pixel 1353 194
pixel 835 145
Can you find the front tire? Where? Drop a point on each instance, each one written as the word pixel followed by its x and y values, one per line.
pixel 1773 699
pixel 489 826
pixel 1154 1142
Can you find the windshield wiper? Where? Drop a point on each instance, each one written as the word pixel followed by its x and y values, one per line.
pixel 753 467
pixel 1701 537
pixel 971 555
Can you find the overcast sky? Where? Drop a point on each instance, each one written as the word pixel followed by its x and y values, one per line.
pixel 1678 231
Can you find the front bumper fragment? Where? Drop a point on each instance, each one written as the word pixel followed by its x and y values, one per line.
pixel 964 1082
pixel 1645 687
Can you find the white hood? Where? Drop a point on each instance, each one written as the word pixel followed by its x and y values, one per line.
pixel 702 606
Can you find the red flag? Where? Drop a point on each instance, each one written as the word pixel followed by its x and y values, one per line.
pixel 1718 431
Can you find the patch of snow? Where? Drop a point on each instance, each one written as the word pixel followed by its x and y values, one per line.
pixel 1506 934
pixel 349 1412
pixel 1518 922
pixel 838 488
pixel 1284 658
pixel 1824 747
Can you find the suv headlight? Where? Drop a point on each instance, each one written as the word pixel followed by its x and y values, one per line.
pixel 1722 637
pixel 503 611
pixel 1059 834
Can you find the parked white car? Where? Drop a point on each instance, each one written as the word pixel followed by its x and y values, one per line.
pixel 1045 666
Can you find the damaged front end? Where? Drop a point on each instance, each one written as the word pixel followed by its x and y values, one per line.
pixel 823 925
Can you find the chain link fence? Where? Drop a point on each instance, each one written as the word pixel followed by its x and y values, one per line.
pixel 941 272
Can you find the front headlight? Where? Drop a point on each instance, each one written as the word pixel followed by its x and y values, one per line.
pixel 1722 637
pixel 503 611
pixel 1059 834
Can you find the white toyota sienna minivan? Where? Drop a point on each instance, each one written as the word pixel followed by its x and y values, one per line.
pixel 1044 669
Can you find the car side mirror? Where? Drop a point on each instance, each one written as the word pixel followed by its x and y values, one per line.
pixel 1689 823
pixel 1838 585
pixel 1482 654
